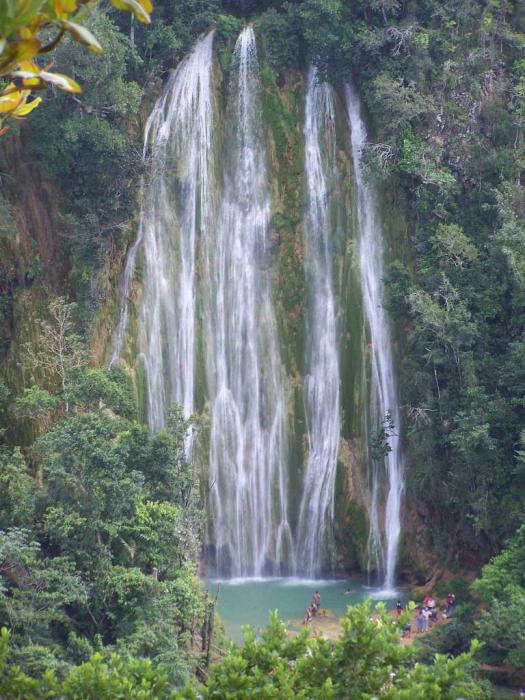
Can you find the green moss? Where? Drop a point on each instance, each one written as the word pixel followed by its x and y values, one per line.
pixel 283 116
pixel 227 31
pixel 352 538
pixel 202 425
pixel 297 448
pixel 140 382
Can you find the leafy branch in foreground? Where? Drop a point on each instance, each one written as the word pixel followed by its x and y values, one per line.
pixel 24 28
pixel 367 661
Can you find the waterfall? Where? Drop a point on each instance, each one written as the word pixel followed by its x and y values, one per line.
pixel 247 443
pixel 383 379
pixel 176 207
pixel 207 272
pixel 322 380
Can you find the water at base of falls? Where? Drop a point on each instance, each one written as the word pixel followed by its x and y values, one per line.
pixel 250 601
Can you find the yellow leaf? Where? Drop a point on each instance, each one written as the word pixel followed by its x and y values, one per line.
pixel 64 8
pixel 26 33
pixel 27 49
pixel 8 103
pixel 30 67
pixel 62 82
pixel 18 51
pixel 147 5
pixel 133 6
pixel 26 108
pixel 82 35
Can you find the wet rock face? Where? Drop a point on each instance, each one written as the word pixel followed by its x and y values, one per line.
pixel 250 313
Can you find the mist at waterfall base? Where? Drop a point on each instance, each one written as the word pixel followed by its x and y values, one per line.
pixel 250 601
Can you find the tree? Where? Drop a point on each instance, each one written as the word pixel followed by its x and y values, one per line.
pixel 18 490
pixel 37 405
pixel 454 248
pixel 94 388
pixel 502 586
pixel 283 47
pixel 511 235
pixel 379 445
pixel 59 350
pixel 92 491
pixel 505 570
pixel 502 628
pixel 39 595
pixel 104 678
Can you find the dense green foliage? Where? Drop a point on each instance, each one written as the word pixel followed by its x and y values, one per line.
pixel 104 679
pixel 99 521
pixel 502 587
pixel 367 661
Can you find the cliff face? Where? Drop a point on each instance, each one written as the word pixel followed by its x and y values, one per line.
pixel 33 257
pixel 41 236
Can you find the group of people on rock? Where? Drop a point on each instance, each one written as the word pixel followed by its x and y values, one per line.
pixel 313 608
pixel 427 613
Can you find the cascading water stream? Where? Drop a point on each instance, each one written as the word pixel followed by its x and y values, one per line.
pixel 189 214
pixel 177 206
pixel 247 449
pixel 322 398
pixel 384 385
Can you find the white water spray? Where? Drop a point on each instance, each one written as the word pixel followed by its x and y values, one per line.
pixel 384 385
pixel 322 397
pixel 177 207
pixel 247 450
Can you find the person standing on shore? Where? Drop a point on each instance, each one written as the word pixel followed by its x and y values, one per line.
pixel 420 620
pixel 427 614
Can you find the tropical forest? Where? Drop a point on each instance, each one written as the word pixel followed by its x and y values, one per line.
pixel 262 349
